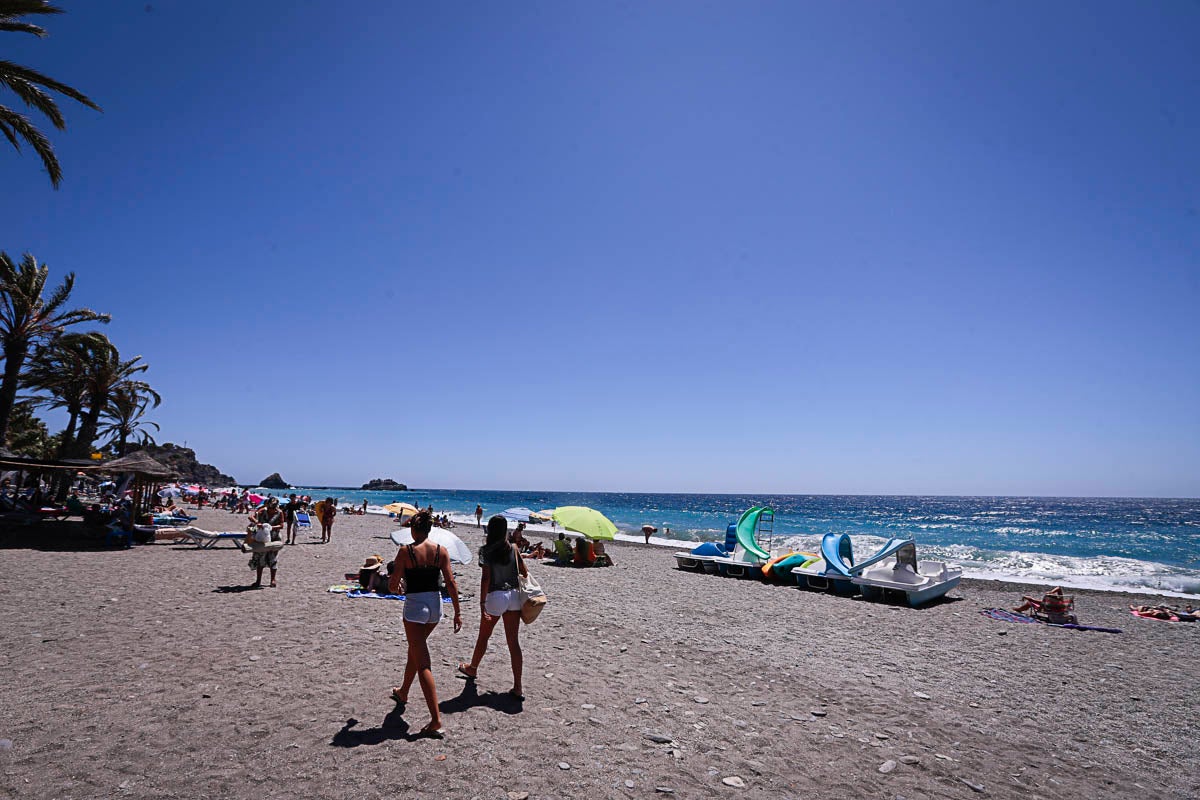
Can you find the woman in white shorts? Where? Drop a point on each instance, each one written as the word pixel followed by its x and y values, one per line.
pixel 502 564
pixel 419 566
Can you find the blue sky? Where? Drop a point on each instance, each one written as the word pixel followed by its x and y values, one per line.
pixel 945 248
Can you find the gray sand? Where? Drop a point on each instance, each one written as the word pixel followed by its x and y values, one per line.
pixel 130 674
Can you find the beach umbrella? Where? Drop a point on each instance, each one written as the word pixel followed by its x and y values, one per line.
pixel 518 514
pixel 588 521
pixel 255 498
pixel 170 491
pixel 456 547
pixel 401 509
pixel 546 515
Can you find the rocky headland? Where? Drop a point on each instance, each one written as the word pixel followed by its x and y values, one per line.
pixel 182 460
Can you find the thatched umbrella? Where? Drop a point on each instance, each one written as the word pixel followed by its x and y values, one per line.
pixel 146 474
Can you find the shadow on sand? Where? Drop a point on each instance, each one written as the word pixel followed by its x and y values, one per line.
pixel 393 727
pixel 236 589
pixel 471 698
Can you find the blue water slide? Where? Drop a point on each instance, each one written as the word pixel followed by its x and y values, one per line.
pixel 887 551
pixel 838 554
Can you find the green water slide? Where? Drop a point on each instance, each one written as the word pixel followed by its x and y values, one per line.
pixel 747 527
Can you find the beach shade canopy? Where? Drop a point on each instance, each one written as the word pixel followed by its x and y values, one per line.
pixel 140 464
pixel 456 547
pixel 518 514
pixel 546 515
pixel 588 521
pixel 401 509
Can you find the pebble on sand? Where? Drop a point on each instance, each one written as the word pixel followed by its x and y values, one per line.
pixel 975 787
pixel 701 700
pixel 887 766
pixel 734 781
pixel 658 738
pixel 910 760
pixel 518 796
pixel 563 765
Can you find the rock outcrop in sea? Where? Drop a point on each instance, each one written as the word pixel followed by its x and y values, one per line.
pixel 182 460
pixel 274 481
pixel 383 485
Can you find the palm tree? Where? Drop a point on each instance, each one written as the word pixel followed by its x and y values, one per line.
pixel 57 371
pixel 126 407
pixel 30 87
pixel 27 319
pixel 105 376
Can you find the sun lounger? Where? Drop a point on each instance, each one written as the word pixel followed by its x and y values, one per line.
pixel 206 540
pixel 303 521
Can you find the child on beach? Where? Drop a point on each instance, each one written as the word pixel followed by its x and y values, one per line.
pixel 501 564
pixel 328 514
pixel 417 568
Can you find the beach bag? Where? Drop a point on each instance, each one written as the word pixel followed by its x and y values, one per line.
pixel 533 599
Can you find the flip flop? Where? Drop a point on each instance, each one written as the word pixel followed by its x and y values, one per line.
pixel 397 699
pixel 462 668
pixel 433 733
pixel 518 697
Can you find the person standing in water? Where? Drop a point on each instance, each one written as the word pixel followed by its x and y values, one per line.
pixel 478 516
pixel 417 567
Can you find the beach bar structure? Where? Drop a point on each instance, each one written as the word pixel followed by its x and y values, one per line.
pixel 147 473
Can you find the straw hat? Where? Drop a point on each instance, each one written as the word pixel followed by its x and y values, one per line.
pixel 373 562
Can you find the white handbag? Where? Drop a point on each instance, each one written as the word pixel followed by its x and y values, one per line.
pixel 533 598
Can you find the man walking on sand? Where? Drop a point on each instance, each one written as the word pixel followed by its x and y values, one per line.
pixel 478 516
pixel 289 514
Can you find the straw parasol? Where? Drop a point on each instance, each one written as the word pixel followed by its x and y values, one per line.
pixel 147 473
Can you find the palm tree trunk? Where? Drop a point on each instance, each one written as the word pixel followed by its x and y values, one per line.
pixel 14 359
pixel 68 434
pixel 88 427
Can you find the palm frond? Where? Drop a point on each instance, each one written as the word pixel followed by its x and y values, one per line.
pixel 11 135
pixel 21 8
pixel 21 125
pixel 10 70
pixel 35 98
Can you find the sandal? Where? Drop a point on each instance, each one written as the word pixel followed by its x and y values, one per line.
pixel 433 733
pixel 463 668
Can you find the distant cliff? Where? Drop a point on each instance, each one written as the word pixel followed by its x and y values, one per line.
pixel 383 485
pixel 183 461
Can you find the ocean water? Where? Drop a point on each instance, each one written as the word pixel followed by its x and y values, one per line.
pixel 1122 543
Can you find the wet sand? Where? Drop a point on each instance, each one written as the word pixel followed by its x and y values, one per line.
pixel 151 673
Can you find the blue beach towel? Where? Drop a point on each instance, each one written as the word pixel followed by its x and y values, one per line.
pixel 1004 615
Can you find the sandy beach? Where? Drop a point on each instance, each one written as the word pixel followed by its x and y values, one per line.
pixel 150 673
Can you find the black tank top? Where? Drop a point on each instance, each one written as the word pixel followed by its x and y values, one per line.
pixel 423 579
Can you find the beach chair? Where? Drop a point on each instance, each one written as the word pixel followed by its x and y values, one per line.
pixel 207 540
pixel 303 521
pixel 563 553
pixel 1056 609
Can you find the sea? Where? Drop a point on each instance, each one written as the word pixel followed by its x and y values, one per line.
pixel 1126 544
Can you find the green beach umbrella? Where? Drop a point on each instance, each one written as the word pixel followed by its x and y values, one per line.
pixel 588 521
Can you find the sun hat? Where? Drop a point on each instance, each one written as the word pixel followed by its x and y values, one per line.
pixel 373 562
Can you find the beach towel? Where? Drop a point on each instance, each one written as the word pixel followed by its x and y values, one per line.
pixel 1004 615
pixel 355 591
pixel 1140 615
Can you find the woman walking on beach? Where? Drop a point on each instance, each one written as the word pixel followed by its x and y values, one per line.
pixel 501 564
pixel 417 567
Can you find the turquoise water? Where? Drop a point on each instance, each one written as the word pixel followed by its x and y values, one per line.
pixel 1101 542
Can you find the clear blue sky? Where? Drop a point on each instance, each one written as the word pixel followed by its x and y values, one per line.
pixel 934 247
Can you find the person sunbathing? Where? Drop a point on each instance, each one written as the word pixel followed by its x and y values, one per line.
pixel 602 558
pixel 1033 604
pixel 1154 612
